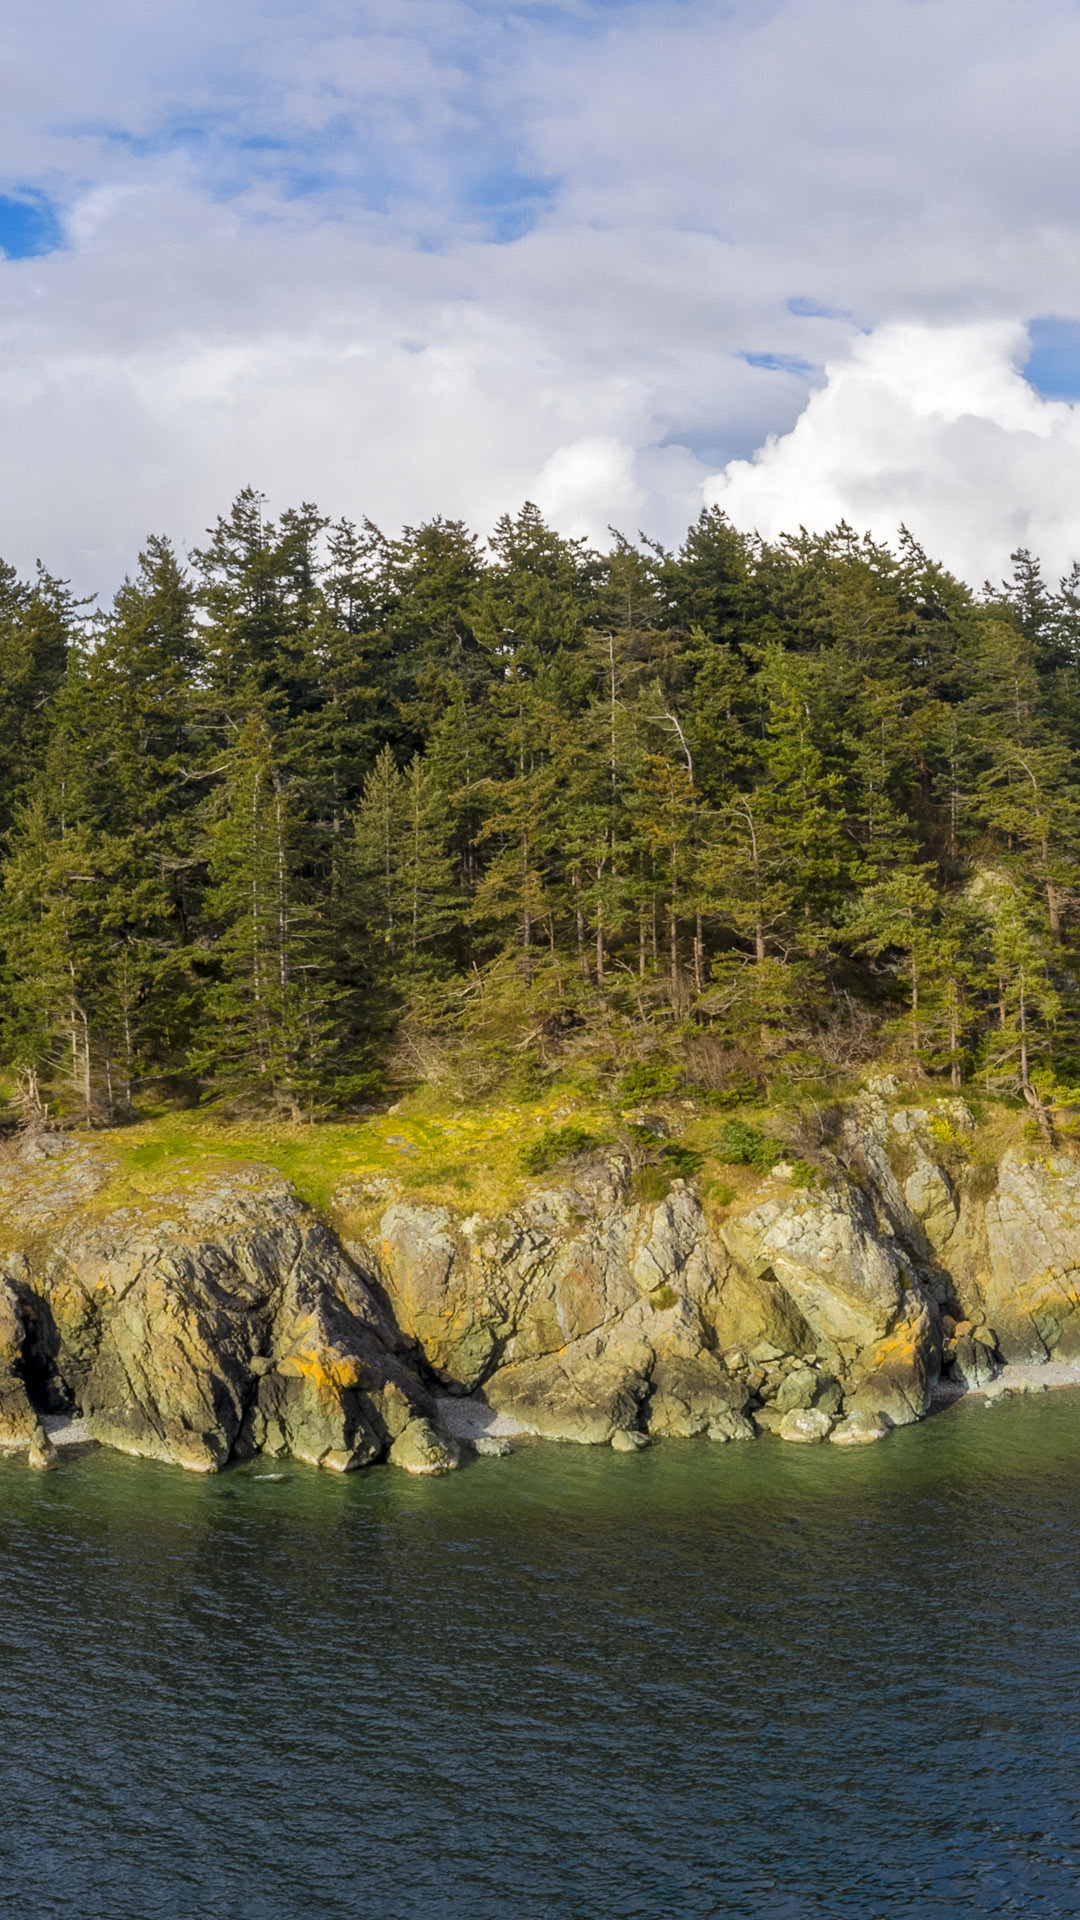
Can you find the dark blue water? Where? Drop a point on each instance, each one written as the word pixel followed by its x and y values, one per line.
pixel 767 1681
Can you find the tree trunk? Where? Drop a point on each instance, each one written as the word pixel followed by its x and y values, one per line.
pixel 283 907
pixel 526 921
pixel 88 1090
pixel 127 1058
pixel 1031 1094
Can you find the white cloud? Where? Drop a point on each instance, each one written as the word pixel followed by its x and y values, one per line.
pixel 292 262
pixel 591 483
pixel 930 427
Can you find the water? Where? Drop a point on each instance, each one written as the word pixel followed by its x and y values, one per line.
pixel 760 1681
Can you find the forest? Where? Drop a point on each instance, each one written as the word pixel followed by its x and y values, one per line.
pixel 314 811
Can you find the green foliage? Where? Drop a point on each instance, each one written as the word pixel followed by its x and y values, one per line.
pixel 650 1185
pixel 555 1144
pixel 685 1162
pixel 649 1080
pixel 323 804
pixel 802 1173
pixel 742 1145
pixel 741 1090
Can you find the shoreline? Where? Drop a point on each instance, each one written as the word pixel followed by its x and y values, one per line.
pixel 469 1421
pixel 1015 1377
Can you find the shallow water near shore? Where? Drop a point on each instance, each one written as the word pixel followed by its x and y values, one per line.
pixel 757 1680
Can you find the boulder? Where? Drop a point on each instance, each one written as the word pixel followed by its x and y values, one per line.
pixel 806 1424
pixel 829 1396
pixel 690 1393
pixel 421 1449
pixel 972 1362
pixel 585 1393
pixel 797 1389
pixel 859 1429
pixel 897 1374
pixel 731 1426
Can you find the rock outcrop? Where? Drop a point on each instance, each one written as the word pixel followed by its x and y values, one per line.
pixel 225 1319
pixel 218 1322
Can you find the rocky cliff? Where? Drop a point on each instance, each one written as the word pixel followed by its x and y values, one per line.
pixel 225 1319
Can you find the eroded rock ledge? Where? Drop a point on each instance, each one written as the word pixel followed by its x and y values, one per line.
pixel 226 1319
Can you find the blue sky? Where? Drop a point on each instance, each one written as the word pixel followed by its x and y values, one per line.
pixel 442 255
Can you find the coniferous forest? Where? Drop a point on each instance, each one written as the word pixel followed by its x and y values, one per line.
pixel 312 806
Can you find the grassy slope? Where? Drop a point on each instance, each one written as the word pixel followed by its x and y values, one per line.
pixel 466 1157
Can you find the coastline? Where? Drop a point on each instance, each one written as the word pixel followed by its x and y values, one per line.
pixel 1015 1377
pixel 470 1421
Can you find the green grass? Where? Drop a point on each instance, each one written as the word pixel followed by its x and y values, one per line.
pixel 478 1156
pixel 471 1155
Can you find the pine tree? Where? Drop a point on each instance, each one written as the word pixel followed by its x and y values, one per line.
pixel 269 1027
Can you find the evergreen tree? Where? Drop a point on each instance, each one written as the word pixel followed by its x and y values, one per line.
pixel 269 1023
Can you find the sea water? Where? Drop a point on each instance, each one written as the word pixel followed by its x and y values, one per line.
pixel 757 1680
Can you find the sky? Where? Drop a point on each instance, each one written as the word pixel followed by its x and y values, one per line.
pixel 804 259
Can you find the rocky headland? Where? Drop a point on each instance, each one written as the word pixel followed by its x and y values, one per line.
pixel 226 1319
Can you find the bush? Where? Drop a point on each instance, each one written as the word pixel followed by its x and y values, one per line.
pixel 683 1161
pixel 742 1145
pixel 553 1145
pixel 650 1080
pixel 802 1173
pixel 651 1185
pixel 525 1081
pixel 717 1073
pixel 732 1095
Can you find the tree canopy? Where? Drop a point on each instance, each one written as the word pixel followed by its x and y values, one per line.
pixel 313 799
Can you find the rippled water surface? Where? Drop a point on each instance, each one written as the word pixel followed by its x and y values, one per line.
pixel 757 1680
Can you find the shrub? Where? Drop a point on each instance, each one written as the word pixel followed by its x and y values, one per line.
pixel 649 1080
pixel 983 1179
pixel 554 1144
pixel 733 1095
pixel 651 1184
pixel 802 1173
pixel 683 1161
pixel 525 1081
pixel 742 1145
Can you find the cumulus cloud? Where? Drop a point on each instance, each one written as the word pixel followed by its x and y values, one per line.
pixel 934 428
pixel 442 257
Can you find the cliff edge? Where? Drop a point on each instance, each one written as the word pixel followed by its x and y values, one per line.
pixel 226 1319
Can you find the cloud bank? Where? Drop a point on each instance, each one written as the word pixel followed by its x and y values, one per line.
pixel 438 258
pixel 934 428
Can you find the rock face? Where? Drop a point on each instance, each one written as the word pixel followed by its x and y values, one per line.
pixel 1032 1290
pixel 225 1319
pixel 217 1323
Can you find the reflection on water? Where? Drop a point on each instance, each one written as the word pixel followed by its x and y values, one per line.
pixel 759 1680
